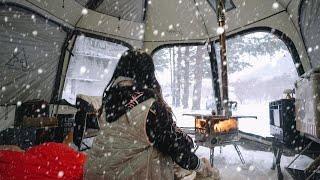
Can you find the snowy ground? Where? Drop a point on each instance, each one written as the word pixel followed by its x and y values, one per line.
pixel 258 163
pixel 257 167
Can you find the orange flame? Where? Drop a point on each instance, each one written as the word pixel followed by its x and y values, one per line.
pixel 225 125
pixel 200 123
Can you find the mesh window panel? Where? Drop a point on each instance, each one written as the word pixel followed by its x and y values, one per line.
pixel 30 48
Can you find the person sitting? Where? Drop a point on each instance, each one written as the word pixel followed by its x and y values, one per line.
pixel 138 137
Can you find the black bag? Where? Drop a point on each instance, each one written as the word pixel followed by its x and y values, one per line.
pixel 34 108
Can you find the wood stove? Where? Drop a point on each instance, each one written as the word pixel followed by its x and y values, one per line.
pixel 211 131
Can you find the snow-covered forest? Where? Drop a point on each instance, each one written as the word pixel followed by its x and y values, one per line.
pixel 260 69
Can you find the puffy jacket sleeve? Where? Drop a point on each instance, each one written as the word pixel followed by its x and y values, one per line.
pixel 170 139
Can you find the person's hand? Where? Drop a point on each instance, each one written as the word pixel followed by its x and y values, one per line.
pixel 206 170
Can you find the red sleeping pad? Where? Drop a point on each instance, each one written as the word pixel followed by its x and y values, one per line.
pixel 46 161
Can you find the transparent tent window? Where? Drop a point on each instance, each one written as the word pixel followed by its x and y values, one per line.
pixel 260 68
pixel 91 67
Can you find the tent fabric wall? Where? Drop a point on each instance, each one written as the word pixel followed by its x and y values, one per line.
pixel 7 116
pixel 76 15
pixel 30 50
pixel 310 29
pixel 174 21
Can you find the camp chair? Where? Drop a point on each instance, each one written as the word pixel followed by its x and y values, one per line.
pixel 86 120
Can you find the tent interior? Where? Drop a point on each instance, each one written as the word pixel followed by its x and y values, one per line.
pixel 56 56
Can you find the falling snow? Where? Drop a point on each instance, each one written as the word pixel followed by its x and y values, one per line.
pixel 275 5
pixel 220 30
pixel 40 71
pixel 34 33
pixel 255 78
pixel 84 11
pixel 60 174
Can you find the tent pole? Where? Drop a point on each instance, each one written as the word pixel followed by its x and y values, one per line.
pixel 224 71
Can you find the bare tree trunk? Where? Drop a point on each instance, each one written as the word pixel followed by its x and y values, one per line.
pixel 174 78
pixel 186 78
pixel 170 66
pixel 178 75
pixel 198 75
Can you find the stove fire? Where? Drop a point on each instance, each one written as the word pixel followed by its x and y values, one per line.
pixel 225 126
pixel 215 130
pixel 217 126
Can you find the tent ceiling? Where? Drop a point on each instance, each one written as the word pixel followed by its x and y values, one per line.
pixel 166 20
pixel 197 20
pixel 228 4
pixel 132 10
pixel 285 3
pixel 170 21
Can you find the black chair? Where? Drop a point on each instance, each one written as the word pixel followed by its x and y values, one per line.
pixel 86 123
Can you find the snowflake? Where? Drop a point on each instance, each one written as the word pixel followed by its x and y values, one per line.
pixel 155 32
pixel 84 11
pixel 34 33
pixel 275 5
pixel 251 168
pixel 60 174
pixel 83 70
pixel 40 71
pixel 239 169
pixel 220 30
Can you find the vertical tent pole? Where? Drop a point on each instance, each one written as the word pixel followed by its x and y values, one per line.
pixel 224 71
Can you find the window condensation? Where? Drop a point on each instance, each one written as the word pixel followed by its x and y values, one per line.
pixel 91 67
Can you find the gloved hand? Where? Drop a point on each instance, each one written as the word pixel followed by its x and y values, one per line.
pixel 205 170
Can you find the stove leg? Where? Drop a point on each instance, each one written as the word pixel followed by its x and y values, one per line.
pixel 274 150
pixel 278 160
pixel 277 152
pixel 211 156
pixel 239 153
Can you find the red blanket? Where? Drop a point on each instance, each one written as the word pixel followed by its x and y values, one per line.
pixel 46 161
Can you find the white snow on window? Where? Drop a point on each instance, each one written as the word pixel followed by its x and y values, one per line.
pixel 91 67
